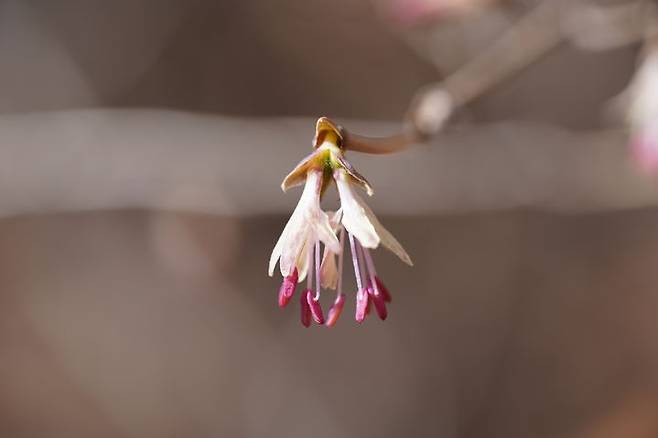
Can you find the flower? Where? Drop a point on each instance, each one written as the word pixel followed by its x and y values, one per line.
pixel 417 12
pixel 298 249
pixel 642 95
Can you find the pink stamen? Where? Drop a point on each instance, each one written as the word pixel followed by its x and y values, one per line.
pixel 385 293
pixel 315 308
pixel 355 262
pixel 314 301
pixel 361 294
pixel 339 283
pixel 377 297
pixel 317 270
pixel 371 270
pixel 335 310
pixel 305 314
pixel 288 287
pixel 309 269
pixel 362 305
pixel 362 265
pixel 378 302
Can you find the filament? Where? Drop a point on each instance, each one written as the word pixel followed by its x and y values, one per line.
pixel 355 262
pixel 317 270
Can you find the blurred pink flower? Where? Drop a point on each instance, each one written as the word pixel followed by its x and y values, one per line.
pixel 642 96
pixel 298 248
pixel 415 12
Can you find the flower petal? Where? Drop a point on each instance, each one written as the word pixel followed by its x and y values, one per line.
pixel 302 263
pixel 358 178
pixel 296 231
pixel 328 270
pixel 385 236
pixel 324 232
pixel 355 218
pixel 360 220
pixel 292 248
pixel 297 176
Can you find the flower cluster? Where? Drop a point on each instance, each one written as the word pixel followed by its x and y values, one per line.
pixel 298 250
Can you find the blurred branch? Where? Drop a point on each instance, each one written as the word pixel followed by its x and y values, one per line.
pixel 110 159
pixel 530 38
pixel 594 27
pixel 527 40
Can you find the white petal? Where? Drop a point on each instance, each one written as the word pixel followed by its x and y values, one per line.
pixel 292 249
pixel 328 270
pixel 296 230
pixel 355 219
pixel 276 253
pixel 302 263
pixel 387 239
pixel 324 232
pixel 334 219
pixel 360 220
pixel 297 176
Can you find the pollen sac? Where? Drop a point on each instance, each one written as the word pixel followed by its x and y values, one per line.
pixel 315 308
pixel 362 305
pixel 335 310
pixel 305 314
pixel 382 289
pixel 287 289
pixel 379 303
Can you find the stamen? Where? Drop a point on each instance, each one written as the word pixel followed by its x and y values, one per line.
pixel 362 305
pixel 288 287
pixel 379 303
pixel 339 283
pixel 305 314
pixel 385 293
pixel 315 308
pixel 376 297
pixel 309 269
pixel 355 262
pixel 337 308
pixel 371 270
pixel 317 270
pixel 361 294
pixel 378 286
pixel 362 265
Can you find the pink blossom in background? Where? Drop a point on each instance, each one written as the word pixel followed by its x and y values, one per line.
pixel 415 12
pixel 643 114
pixel 644 148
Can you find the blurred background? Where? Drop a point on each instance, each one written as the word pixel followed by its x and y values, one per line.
pixel 142 144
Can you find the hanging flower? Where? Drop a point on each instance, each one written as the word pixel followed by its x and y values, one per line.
pixel 298 249
pixel 642 94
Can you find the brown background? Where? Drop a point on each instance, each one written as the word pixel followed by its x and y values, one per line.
pixel 150 324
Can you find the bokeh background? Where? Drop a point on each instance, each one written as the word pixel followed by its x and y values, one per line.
pixel 125 316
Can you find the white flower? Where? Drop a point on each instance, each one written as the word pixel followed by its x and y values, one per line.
pixel 298 249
